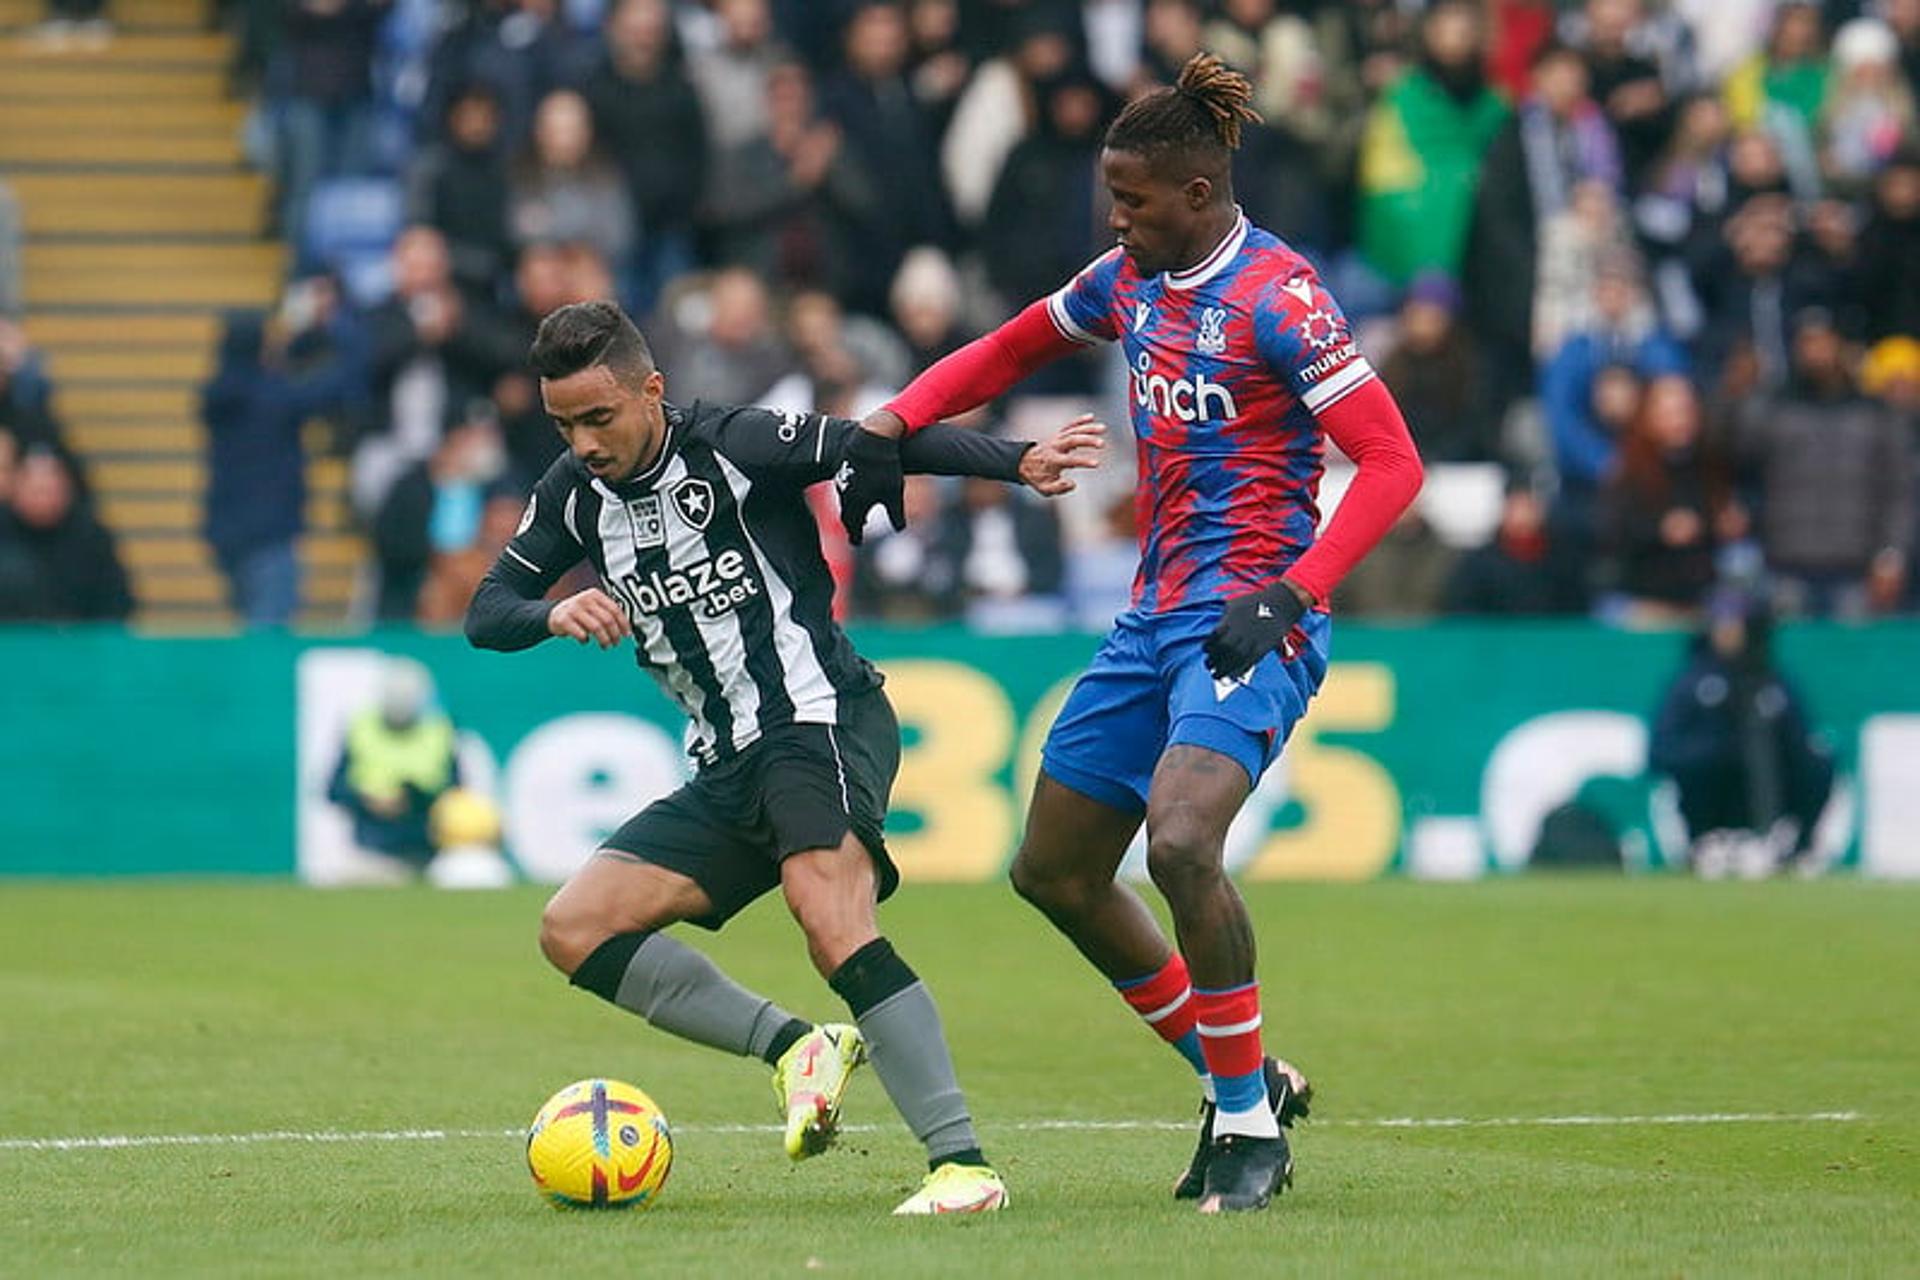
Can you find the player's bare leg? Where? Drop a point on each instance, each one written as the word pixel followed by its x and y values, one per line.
pixel 1067 866
pixel 612 894
pixel 832 894
pixel 1195 795
pixel 602 930
pixel 1193 799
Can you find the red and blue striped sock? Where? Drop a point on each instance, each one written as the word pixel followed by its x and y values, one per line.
pixel 1165 1000
pixel 1229 1025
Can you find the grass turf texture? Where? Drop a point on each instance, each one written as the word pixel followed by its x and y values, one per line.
pixel 186 1008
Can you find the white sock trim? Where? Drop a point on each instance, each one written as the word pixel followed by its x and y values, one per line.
pixel 1257 1123
pixel 1167 1010
pixel 1231 1029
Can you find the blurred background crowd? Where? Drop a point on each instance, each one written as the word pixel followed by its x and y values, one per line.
pixel 1644 275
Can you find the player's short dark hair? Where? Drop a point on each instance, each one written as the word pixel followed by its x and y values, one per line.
pixel 1196 119
pixel 581 335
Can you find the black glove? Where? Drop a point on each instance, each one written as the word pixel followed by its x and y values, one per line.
pixel 1252 627
pixel 870 477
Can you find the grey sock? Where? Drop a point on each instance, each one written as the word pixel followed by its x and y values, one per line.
pixel 682 992
pixel 909 1052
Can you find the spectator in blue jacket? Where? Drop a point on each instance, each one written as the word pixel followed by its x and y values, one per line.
pixel 1623 333
pixel 275 372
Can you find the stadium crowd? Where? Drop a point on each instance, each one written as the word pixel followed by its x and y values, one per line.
pixel 1644 275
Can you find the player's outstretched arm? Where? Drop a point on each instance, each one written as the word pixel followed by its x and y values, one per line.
pixel 980 371
pixel 1043 466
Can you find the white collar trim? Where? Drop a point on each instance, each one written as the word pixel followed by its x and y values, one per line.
pixel 1210 266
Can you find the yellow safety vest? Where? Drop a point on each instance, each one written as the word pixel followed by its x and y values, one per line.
pixel 381 760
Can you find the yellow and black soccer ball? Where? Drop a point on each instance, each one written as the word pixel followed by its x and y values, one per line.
pixel 600 1144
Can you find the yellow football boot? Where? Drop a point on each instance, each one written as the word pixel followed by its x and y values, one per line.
pixel 956 1188
pixel 809 1081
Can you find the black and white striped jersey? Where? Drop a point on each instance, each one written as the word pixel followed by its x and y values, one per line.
pixel 715 556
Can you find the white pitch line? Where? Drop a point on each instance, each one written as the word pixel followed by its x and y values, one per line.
pixel 1574 1122
pixel 119 1141
pixel 123 1141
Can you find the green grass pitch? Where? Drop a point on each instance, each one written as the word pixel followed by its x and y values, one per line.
pixel 195 1009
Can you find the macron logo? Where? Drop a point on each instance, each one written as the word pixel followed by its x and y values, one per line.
pixel 1141 314
pixel 1225 685
pixel 1301 289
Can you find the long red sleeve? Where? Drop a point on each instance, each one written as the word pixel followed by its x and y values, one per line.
pixel 1367 426
pixel 982 369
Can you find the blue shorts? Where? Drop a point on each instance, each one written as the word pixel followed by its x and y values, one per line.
pixel 1149 688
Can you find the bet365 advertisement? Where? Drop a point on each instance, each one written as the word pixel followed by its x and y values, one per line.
pixel 1433 751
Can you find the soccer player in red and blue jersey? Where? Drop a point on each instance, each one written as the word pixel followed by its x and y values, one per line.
pixel 1242 366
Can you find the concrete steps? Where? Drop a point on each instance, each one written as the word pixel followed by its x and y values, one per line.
pixel 167 15
pixel 61 205
pixel 153 364
pixel 134 48
pixel 58 332
pixel 152 274
pixel 142 225
pixel 213 148
pixel 56 77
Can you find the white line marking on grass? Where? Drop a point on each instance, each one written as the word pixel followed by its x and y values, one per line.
pixel 123 1141
pixel 114 1142
pixel 1574 1122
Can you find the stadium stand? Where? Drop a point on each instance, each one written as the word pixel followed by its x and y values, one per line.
pixel 1531 210
pixel 140 225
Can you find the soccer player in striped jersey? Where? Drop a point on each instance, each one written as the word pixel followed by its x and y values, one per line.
pixel 1241 366
pixel 709 558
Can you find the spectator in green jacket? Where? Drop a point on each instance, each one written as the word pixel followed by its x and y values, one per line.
pixel 1784 86
pixel 1420 159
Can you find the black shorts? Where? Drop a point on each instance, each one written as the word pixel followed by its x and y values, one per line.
pixel 801 786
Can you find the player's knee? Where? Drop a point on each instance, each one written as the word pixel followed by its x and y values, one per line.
pixel 568 935
pixel 835 926
pixel 831 895
pixel 821 883
pixel 829 944
pixel 1046 889
pixel 1182 857
pixel 1027 882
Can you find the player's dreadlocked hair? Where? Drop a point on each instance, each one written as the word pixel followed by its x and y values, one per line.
pixel 583 334
pixel 1202 113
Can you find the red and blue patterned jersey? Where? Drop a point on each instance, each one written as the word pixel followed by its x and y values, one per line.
pixel 1228 363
